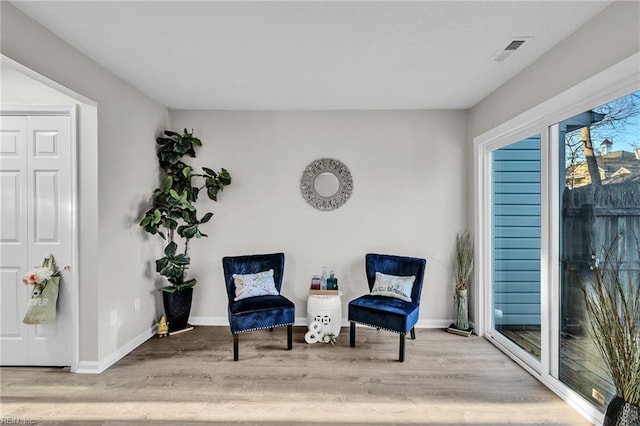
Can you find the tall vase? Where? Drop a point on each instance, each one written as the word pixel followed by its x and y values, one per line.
pixel 621 413
pixel 461 310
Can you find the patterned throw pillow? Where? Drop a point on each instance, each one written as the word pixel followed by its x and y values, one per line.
pixel 250 285
pixel 393 286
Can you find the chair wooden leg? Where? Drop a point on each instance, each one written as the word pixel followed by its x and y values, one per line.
pixel 401 348
pixel 289 337
pixel 413 333
pixel 235 347
pixel 352 334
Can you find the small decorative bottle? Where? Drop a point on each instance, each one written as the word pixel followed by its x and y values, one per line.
pixel 323 278
pixel 332 282
pixel 315 282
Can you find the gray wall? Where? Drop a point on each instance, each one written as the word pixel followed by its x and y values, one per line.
pixel 409 198
pixel 117 172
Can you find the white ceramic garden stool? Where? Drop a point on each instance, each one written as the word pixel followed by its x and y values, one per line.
pixel 327 310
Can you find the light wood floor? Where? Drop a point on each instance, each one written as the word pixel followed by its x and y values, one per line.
pixel 581 366
pixel 191 379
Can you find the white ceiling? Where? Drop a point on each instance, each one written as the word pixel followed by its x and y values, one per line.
pixel 313 54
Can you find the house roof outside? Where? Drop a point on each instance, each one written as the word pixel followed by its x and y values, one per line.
pixel 614 167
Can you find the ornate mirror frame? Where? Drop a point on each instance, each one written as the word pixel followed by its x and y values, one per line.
pixel 336 168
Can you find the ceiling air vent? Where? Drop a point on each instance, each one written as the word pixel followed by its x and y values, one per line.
pixel 511 46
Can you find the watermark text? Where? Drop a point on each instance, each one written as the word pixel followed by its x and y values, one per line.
pixel 16 421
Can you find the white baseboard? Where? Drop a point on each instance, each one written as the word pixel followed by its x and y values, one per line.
pixel 87 367
pixel 433 323
pixel 97 367
pixel 216 321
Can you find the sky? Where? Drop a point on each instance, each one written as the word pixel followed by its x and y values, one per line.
pixel 629 138
pixel 625 136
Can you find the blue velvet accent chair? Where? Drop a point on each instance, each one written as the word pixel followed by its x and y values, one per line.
pixel 388 313
pixel 258 312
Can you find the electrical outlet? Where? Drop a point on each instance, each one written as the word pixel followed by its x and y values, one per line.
pixel 114 317
pixel 597 396
pixel 136 305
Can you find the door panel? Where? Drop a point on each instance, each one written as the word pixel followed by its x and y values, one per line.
pixel 11 316
pixel 516 243
pixel 11 226
pixel 14 261
pixel 35 178
pixel 46 206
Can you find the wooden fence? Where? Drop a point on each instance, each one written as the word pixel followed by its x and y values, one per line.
pixel 592 218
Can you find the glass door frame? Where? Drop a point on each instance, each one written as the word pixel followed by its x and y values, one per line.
pixel 485 248
pixel 617 81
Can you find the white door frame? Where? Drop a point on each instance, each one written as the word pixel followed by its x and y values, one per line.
pixel 71 112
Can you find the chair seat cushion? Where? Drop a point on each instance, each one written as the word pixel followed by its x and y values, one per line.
pixel 254 313
pixel 259 303
pixel 384 312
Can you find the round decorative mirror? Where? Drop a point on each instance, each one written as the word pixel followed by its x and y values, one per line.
pixel 326 184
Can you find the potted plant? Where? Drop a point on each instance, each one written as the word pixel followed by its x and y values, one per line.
pixel 612 303
pixel 174 217
pixel 462 268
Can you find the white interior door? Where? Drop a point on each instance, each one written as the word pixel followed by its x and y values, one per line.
pixel 35 220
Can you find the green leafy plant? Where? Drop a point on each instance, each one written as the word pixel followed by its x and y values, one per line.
pixel 612 303
pixel 463 262
pixel 173 212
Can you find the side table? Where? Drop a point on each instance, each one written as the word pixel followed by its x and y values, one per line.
pixel 327 310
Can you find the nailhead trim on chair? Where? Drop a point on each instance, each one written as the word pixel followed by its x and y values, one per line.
pixel 263 328
pixel 375 326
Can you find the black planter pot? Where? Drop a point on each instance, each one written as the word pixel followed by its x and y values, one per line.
pixel 177 307
pixel 621 413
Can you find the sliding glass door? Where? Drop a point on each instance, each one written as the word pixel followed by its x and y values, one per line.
pixel 516 243
pixel 551 195
pixel 600 180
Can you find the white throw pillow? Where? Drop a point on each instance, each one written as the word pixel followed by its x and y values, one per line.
pixel 393 286
pixel 250 285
